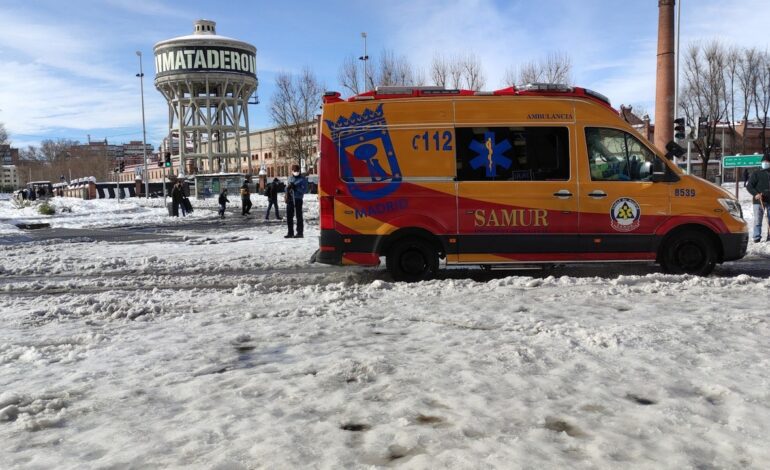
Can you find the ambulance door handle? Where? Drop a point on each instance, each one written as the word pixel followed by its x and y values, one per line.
pixel 563 194
pixel 597 194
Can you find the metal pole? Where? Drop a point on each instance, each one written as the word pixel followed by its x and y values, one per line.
pixel 364 58
pixel 689 145
pixel 145 175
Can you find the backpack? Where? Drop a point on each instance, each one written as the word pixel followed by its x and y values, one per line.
pixel 244 192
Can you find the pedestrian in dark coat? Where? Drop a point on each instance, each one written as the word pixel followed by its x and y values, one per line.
pixel 295 191
pixel 223 203
pixel 759 187
pixel 177 194
pixel 272 199
pixel 245 198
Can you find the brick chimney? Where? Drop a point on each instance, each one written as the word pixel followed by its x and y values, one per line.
pixel 664 77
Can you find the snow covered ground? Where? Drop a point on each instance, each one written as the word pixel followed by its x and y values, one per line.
pixel 216 345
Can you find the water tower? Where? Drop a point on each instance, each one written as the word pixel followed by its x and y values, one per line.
pixel 207 80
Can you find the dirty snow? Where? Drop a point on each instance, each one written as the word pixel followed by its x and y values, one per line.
pixel 223 348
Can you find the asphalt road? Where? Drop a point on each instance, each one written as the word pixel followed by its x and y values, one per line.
pixel 752 265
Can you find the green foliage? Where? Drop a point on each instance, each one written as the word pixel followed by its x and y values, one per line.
pixel 19 203
pixel 46 209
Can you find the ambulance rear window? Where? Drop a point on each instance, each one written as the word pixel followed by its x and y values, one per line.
pixel 512 154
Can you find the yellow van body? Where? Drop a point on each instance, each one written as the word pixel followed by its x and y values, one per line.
pixel 508 177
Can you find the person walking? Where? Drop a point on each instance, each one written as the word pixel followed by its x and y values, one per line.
pixel 759 187
pixel 272 199
pixel 295 191
pixel 223 203
pixel 245 198
pixel 177 193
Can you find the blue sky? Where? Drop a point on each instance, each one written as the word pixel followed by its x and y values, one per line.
pixel 67 69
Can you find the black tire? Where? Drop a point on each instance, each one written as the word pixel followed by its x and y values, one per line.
pixel 412 260
pixel 689 252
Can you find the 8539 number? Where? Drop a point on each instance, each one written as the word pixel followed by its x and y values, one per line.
pixel 684 192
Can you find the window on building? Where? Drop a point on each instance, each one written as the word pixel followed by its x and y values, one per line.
pixel 512 154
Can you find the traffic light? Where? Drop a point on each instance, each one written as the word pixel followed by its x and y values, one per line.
pixel 122 166
pixel 679 128
pixel 168 159
pixel 702 125
pixel 160 163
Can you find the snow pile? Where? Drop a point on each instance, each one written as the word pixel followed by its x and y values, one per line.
pixel 221 347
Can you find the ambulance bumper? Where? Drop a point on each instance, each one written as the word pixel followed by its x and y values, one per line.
pixel 734 245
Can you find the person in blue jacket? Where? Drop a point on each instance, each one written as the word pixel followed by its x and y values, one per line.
pixel 295 191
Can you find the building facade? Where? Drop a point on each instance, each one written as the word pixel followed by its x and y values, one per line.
pixel 9 178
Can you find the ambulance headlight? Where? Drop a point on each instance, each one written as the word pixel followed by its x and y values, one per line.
pixel 732 207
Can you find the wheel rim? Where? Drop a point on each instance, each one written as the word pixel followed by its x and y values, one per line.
pixel 413 262
pixel 690 256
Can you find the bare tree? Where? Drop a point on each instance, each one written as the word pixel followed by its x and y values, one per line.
pixel 389 70
pixel 439 70
pixel 392 70
pixel 704 94
pixel 473 73
pixel 3 135
pixel 530 72
pixel 732 67
pixel 349 76
pixel 555 67
pixel 762 93
pixel 456 71
pixel 294 107
pixel 748 67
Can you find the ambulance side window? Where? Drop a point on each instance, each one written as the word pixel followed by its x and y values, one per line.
pixel 512 153
pixel 615 155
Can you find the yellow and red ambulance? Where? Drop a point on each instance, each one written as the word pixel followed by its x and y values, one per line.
pixel 538 174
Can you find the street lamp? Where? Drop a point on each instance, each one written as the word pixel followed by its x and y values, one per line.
pixel 364 58
pixel 144 130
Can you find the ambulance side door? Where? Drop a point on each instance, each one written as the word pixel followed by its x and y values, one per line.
pixel 620 207
pixel 517 193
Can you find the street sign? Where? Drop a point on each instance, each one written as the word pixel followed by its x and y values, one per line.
pixel 735 161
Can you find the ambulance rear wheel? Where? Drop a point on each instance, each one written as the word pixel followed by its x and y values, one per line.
pixel 412 260
pixel 690 252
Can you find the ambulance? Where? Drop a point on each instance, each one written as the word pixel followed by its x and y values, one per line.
pixel 542 174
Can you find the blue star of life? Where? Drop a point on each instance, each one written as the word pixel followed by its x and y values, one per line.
pixel 490 154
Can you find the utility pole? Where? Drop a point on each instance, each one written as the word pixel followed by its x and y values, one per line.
pixel 364 58
pixel 145 175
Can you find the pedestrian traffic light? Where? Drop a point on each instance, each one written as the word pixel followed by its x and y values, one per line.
pixel 122 166
pixel 679 128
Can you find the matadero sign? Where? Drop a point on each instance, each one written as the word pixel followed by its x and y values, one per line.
pixel 187 58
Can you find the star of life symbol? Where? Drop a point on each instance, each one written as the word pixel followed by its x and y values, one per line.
pixel 625 214
pixel 490 155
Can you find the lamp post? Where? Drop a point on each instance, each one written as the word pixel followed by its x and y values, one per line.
pixel 144 131
pixel 364 58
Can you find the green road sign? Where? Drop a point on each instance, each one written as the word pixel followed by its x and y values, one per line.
pixel 733 161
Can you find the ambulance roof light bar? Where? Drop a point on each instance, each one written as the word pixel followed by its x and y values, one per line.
pixel 405 90
pixel 545 87
pixel 596 95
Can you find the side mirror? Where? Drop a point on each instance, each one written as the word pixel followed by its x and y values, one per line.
pixel 664 177
pixel 674 150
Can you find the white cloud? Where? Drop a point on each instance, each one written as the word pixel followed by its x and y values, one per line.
pixel 49 102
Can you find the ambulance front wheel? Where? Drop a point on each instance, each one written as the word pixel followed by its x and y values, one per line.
pixel 412 260
pixel 689 252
